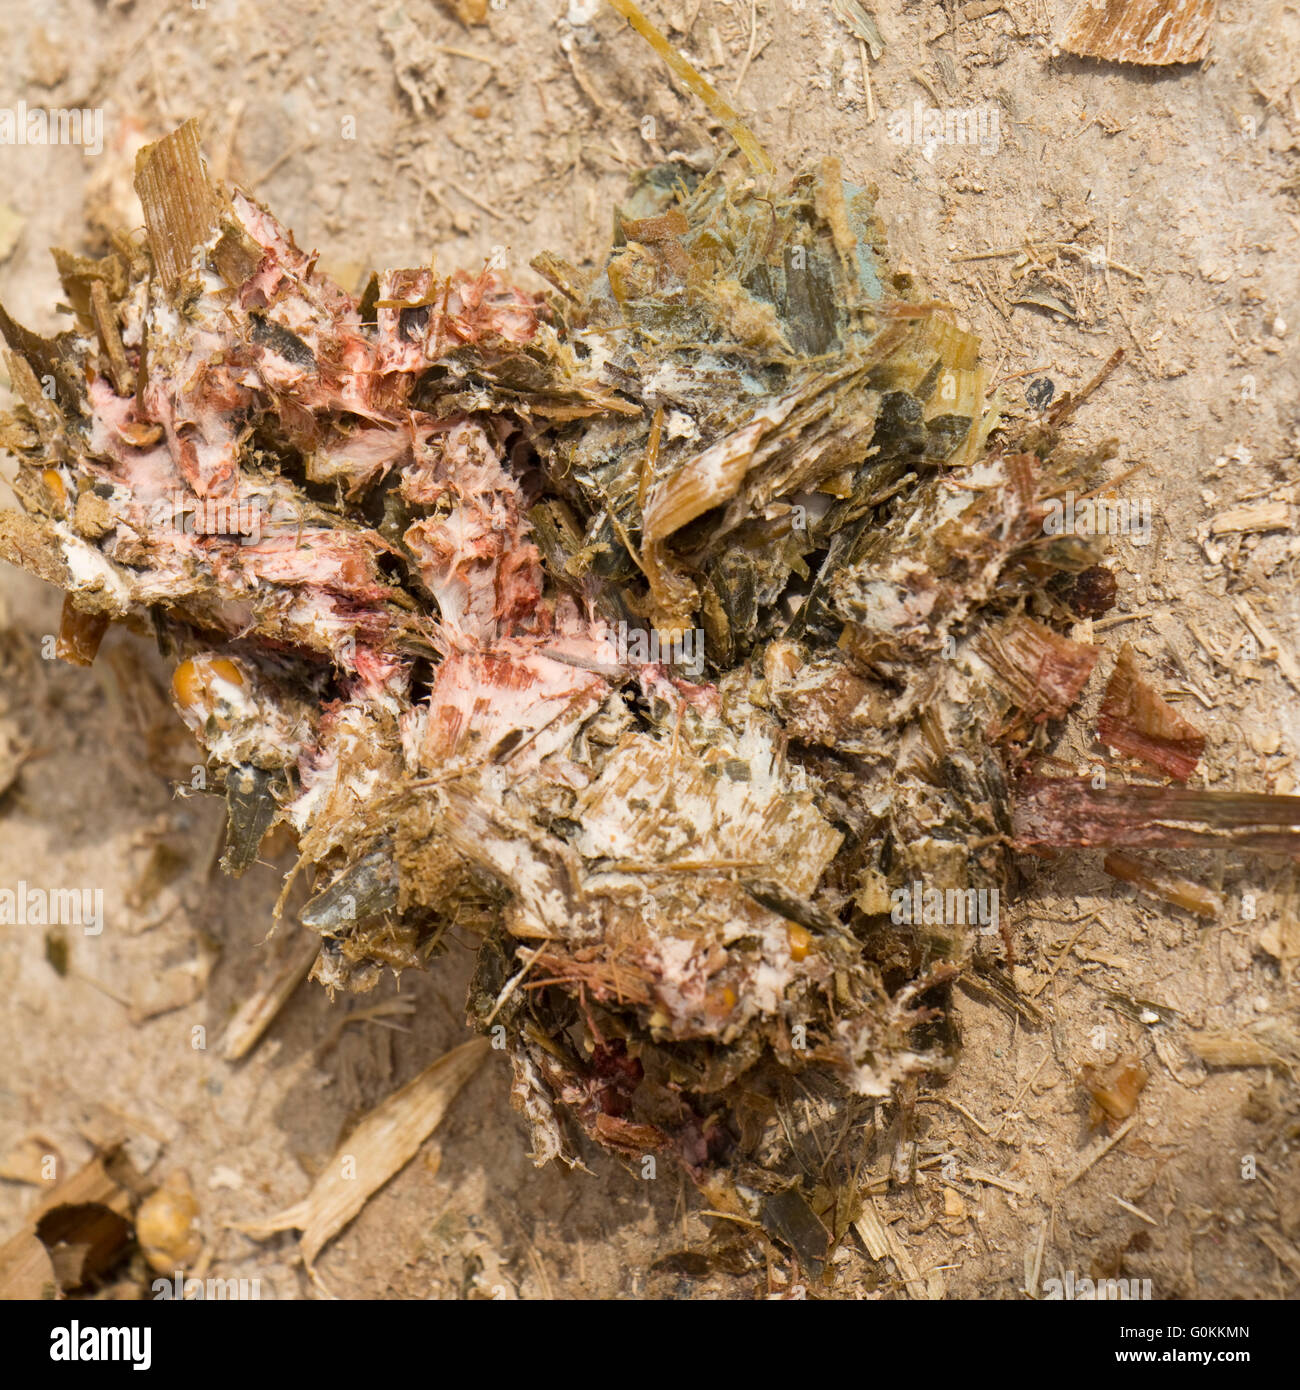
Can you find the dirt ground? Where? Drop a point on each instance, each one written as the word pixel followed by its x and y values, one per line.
pixel 1158 211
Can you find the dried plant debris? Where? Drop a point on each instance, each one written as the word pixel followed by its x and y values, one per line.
pixel 1154 32
pixel 1068 813
pixel 1113 1091
pixel 861 23
pixel 685 636
pixel 256 1014
pixel 1161 883
pixel 381 1145
pixel 78 1235
pixel 1237 1048
pixel 1135 720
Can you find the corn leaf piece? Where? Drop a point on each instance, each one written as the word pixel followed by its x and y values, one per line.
pixel 380 1146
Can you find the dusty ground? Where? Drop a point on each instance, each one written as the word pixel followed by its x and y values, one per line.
pixel 1157 210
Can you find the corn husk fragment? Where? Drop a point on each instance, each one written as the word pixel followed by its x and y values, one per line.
pixel 1137 721
pixel 74 1237
pixel 1040 671
pixel 1060 812
pixel 1168 887
pixel 260 1009
pixel 1114 1090
pixel 180 206
pixel 380 1146
pixel 883 1242
pixel 861 23
pixel 1235 1048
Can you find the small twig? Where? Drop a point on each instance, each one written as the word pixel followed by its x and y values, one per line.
pixel 513 982
pixel 992 1180
pixel 277 164
pixel 1060 960
pixel 1065 408
pixel 866 82
pixel 960 1109
pixel 1037 1267
pixel 1137 342
pixel 996 254
pixel 749 52
pixel 1141 1215
pixel 1010 1110
pixel 728 1216
pixel 479 203
pixel 1098 1154
pixel 465 53
pixel 918 76
pixel 1116 619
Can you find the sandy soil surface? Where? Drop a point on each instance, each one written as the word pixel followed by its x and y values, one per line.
pixel 1151 210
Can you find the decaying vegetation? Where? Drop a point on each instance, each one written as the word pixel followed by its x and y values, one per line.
pixel 409 551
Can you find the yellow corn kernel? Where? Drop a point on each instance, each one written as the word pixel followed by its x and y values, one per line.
pixel 719 1002
pixel 193 679
pixel 801 940
pixel 57 489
